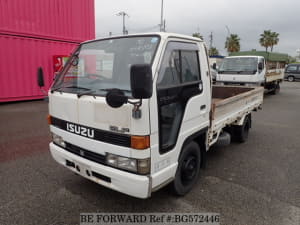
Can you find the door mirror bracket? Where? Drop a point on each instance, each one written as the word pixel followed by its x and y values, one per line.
pixel 115 98
pixel 136 112
pixel 141 88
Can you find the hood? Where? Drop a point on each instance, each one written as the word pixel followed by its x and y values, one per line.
pixel 94 112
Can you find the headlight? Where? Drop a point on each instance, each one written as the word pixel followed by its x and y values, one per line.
pixel 58 140
pixel 140 166
pixel 127 163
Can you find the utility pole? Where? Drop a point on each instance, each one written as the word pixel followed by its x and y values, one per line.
pixel 210 40
pixel 298 51
pixel 228 31
pixel 123 14
pixel 162 21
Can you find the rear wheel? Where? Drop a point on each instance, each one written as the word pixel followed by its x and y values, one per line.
pixel 276 89
pixel 188 169
pixel 291 78
pixel 241 132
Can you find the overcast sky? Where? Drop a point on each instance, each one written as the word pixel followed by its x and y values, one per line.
pixel 248 19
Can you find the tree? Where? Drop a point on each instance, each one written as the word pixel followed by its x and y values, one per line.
pixel 265 39
pixel 232 43
pixel 213 51
pixel 269 39
pixel 275 39
pixel 198 35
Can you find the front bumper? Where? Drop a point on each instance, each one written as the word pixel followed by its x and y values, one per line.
pixel 127 183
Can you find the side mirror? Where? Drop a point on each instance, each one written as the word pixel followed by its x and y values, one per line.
pixel 260 66
pixel 214 66
pixel 40 77
pixel 115 98
pixel 141 81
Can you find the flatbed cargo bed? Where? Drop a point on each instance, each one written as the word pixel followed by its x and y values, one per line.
pixel 274 75
pixel 230 104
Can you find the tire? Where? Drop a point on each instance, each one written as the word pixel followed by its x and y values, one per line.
pixel 276 89
pixel 291 78
pixel 188 169
pixel 241 132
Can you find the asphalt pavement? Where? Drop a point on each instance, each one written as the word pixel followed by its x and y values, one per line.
pixel 257 182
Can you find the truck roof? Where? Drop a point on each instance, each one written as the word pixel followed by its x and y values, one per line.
pixel 163 35
pixel 245 56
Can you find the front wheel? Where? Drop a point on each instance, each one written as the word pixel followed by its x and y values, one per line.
pixel 188 169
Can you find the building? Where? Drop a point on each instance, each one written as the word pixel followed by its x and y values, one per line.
pixel 39 33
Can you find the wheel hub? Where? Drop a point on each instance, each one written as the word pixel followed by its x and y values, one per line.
pixel 189 169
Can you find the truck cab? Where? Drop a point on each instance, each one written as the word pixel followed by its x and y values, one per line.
pixel 121 147
pixel 244 70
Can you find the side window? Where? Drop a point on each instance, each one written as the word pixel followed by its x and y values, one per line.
pixel 170 70
pixel 190 68
pixel 292 68
pixel 263 63
pixel 178 67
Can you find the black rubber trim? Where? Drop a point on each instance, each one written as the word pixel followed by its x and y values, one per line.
pixel 101 177
pixel 70 164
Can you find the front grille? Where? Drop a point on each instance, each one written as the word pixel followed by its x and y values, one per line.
pixel 95 157
pixel 112 138
pixel 99 135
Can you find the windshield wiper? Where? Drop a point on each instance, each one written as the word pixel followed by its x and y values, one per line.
pixel 109 89
pixel 71 86
pixel 93 91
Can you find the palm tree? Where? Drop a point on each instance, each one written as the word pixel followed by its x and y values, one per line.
pixel 266 39
pixel 275 39
pixel 198 35
pixel 232 43
pixel 213 51
pixel 269 39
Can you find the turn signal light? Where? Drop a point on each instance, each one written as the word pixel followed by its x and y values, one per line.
pixel 49 119
pixel 140 142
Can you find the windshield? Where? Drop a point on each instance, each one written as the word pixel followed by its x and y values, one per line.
pixel 239 65
pixel 99 66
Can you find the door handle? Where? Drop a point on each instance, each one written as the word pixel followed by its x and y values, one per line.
pixel 202 107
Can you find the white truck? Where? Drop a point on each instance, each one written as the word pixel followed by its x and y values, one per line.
pixel 250 71
pixel 135 113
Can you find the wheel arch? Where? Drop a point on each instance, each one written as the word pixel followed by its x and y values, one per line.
pixel 200 138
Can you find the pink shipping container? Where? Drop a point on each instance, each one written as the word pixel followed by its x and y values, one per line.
pixel 32 32
pixel 20 58
pixel 70 20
